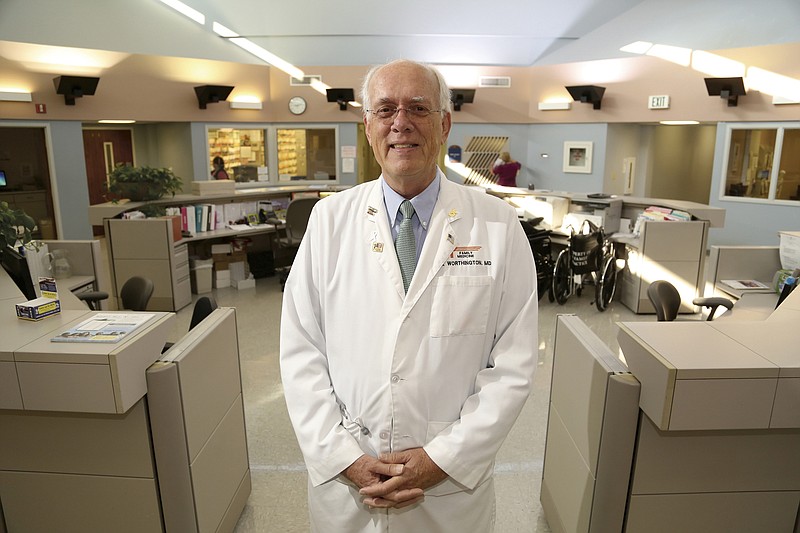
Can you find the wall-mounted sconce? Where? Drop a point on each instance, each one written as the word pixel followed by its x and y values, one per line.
pixel 246 104
pixel 73 87
pixel 14 95
pixel 211 94
pixel 554 106
pixel 588 94
pixel 729 89
pixel 461 96
pixel 341 97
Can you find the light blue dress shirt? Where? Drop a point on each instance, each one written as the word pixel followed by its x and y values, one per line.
pixel 423 210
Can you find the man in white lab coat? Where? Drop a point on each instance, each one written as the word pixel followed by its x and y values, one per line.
pixel 401 398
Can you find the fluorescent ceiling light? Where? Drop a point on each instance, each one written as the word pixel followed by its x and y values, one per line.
pixel 679 122
pixel 223 31
pixel 267 56
pixel 638 47
pixel 116 121
pixel 673 54
pixel 185 10
pixel 717 66
pixel 15 95
pixel 773 83
pixel 554 106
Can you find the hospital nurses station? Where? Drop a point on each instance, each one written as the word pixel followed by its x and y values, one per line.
pixel 659 189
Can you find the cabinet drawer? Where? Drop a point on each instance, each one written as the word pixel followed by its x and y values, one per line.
pixel 182 254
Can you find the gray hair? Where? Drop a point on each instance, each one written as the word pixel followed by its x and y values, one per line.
pixel 444 90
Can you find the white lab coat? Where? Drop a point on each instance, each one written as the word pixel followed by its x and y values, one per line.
pixel 367 369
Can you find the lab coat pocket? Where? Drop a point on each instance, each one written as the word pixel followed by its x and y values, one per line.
pixel 460 305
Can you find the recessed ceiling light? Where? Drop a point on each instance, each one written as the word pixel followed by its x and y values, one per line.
pixel 679 122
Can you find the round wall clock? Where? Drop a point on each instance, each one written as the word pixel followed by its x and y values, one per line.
pixel 297 105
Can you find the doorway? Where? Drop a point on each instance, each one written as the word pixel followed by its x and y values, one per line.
pixel 104 150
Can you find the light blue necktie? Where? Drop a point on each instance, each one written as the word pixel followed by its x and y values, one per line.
pixel 406 245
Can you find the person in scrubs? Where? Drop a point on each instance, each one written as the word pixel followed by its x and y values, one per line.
pixel 408 330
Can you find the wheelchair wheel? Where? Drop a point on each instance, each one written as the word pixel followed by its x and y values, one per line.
pixel 562 277
pixel 606 283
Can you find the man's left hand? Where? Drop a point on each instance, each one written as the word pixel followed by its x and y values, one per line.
pixel 419 473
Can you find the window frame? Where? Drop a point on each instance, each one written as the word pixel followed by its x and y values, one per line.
pixel 780 129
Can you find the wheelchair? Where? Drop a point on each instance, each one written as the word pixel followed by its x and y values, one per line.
pixel 539 239
pixel 588 260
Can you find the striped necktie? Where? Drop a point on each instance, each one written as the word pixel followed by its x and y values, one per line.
pixel 406 245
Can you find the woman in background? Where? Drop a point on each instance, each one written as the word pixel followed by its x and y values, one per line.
pixel 506 170
pixel 219 172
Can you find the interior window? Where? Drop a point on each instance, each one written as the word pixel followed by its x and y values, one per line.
pixel 306 154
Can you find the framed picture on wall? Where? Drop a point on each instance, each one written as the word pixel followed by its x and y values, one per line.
pixel 578 157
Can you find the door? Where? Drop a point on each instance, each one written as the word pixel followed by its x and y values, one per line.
pixel 104 150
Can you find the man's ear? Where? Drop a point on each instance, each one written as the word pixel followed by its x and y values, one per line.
pixel 366 130
pixel 446 125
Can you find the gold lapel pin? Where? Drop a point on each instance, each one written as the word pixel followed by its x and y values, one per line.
pixel 377 247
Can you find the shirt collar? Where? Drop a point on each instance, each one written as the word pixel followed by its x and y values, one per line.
pixel 423 202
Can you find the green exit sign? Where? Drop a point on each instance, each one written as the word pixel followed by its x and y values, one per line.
pixel 658 102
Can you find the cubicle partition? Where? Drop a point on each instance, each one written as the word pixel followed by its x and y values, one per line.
pixel 709 442
pixel 118 436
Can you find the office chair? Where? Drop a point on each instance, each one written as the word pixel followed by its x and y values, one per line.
pixel 203 307
pixel 297 214
pixel 667 301
pixel 134 295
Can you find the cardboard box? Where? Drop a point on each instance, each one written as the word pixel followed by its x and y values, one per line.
pixel 244 284
pixel 212 187
pixel 38 309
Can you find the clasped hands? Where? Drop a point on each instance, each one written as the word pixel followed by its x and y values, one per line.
pixel 396 479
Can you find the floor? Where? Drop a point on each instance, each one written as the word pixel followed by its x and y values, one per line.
pixel 278 499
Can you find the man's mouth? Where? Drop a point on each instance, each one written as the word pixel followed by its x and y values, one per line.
pixel 402 146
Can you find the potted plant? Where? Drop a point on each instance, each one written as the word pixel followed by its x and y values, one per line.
pixel 142 184
pixel 15 226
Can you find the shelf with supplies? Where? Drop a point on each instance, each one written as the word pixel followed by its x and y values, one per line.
pixel 158 249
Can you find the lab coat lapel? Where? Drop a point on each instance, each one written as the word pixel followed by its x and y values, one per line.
pixel 378 236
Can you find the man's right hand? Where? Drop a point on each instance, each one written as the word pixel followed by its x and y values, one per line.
pixel 366 471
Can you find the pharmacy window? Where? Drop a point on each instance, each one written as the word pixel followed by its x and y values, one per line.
pixel 307 154
pixel 242 151
pixel 762 163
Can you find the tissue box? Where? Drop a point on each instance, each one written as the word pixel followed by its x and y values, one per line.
pixel 38 309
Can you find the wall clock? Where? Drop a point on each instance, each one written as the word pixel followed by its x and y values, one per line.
pixel 297 105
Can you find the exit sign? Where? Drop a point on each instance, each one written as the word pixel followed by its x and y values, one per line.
pixel 658 102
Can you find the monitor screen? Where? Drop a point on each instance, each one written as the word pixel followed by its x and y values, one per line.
pixel 3 182
pixel 17 267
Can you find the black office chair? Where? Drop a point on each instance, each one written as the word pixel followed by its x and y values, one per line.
pixel 297 214
pixel 134 295
pixel 667 301
pixel 203 307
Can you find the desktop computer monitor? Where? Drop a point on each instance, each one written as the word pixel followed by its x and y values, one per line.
pixel 3 182
pixel 16 266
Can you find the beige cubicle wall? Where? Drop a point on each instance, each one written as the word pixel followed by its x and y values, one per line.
pixel 714 445
pixel 118 436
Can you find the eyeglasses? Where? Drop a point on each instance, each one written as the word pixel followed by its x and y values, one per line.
pixel 388 112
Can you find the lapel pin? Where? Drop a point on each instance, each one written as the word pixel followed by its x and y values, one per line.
pixel 453 213
pixel 377 247
pixel 450 238
pixel 371 211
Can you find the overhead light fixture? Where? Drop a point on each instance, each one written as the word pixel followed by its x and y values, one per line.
pixel 729 89
pixel 340 96
pixel 673 54
pixel 554 106
pixel 186 11
pixel 246 104
pixel 587 94
pixel 211 94
pixel 73 87
pixel 116 121
pixel 15 95
pixel 460 97
pixel 638 47
pixel 679 122
pixel 716 65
